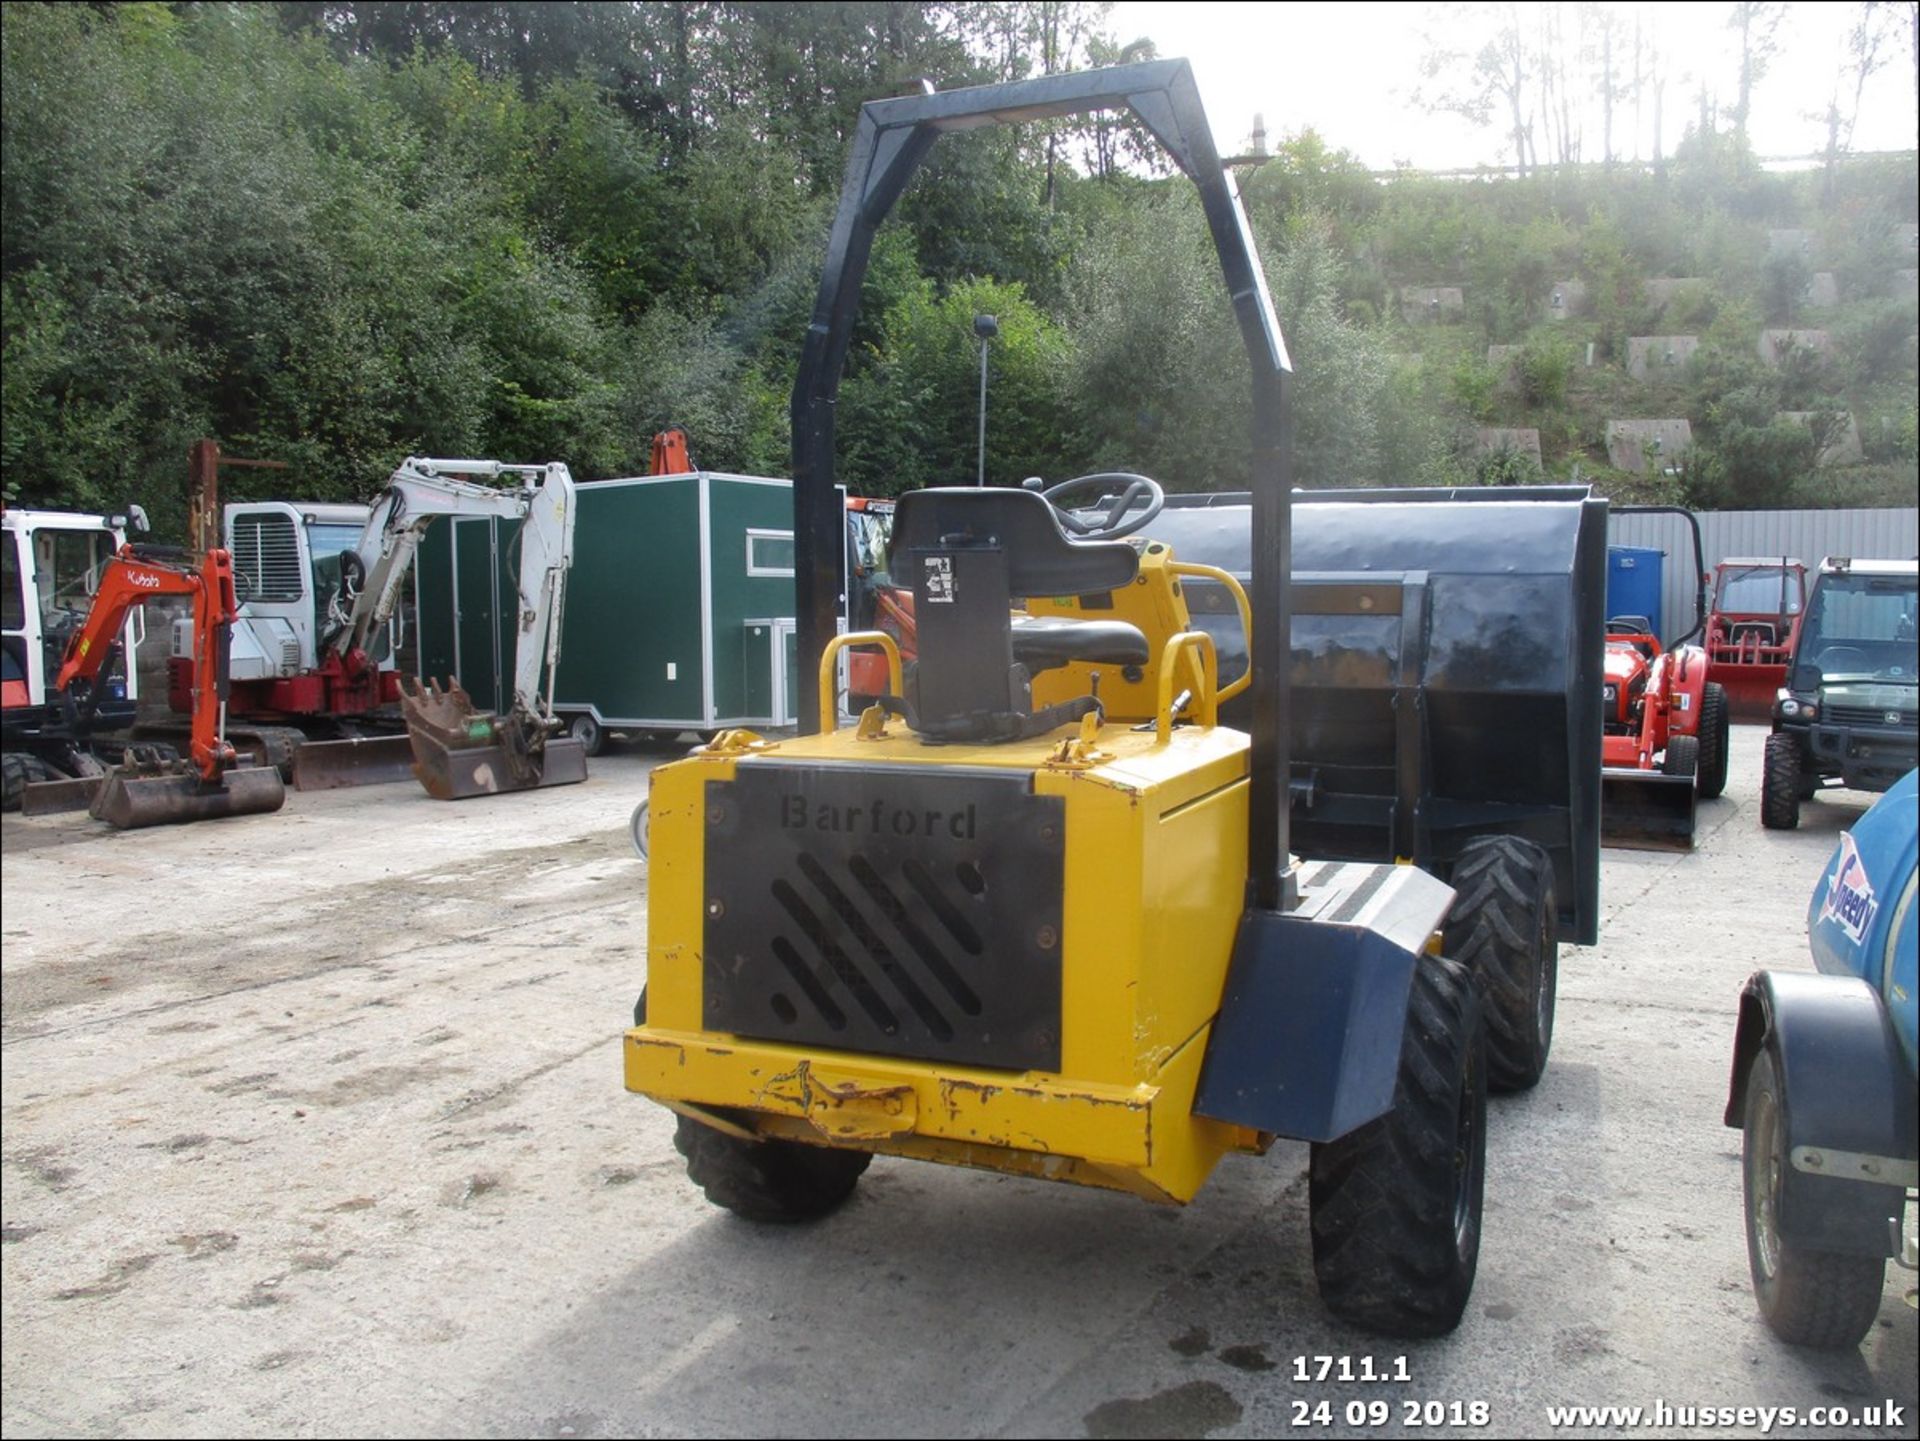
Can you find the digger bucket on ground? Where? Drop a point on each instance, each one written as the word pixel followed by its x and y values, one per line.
pixel 1646 810
pixel 361 761
pixel 460 752
pixel 130 800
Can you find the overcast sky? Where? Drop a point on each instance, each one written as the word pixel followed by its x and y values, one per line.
pixel 1349 71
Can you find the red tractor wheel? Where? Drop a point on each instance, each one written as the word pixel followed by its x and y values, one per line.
pixel 1682 757
pixel 1711 779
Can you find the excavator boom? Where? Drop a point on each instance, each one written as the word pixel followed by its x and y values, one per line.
pixel 455 750
pixel 147 788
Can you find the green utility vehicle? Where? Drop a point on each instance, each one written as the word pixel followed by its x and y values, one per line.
pixel 1849 714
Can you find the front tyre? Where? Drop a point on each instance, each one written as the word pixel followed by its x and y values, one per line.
pixel 1711 779
pixel 1504 928
pixel 1682 757
pixel 1812 1298
pixel 1780 783
pixel 768 1180
pixel 1396 1205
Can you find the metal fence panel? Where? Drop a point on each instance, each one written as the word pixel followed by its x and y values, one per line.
pixel 1808 535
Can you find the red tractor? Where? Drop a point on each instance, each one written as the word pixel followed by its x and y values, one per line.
pixel 1665 725
pixel 1751 630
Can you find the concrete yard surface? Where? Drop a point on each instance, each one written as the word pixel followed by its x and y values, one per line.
pixel 314 1125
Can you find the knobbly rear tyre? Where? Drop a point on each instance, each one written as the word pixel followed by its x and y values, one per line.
pixel 1504 928
pixel 1396 1205
pixel 1780 789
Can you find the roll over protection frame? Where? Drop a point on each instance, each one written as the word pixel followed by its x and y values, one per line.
pixel 892 137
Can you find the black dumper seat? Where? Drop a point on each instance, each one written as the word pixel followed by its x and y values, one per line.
pixel 967 554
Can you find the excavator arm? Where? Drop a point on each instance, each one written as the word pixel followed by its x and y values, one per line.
pixel 132 578
pixel 458 751
pixel 422 490
pixel 150 788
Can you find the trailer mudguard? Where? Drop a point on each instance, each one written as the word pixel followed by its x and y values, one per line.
pixel 1307 1042
pixel 1846 1102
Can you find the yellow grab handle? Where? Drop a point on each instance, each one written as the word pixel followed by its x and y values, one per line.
pixel 1226 578
pixel 1207 696
pixel 828 693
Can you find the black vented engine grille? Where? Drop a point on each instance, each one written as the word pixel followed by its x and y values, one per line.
pixel 863 909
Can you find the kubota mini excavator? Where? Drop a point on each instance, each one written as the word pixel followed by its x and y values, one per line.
pixel 152 787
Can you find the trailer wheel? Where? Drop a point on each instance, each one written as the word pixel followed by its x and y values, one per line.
pixel 18 770
pixel 1711 779
pixel 1780 783
pixel 1504 930
pixel 771 1180
pixel 1682 757
pixel 1810 1298
pixel 638 828
pixel 590 733
pixel 1396 1205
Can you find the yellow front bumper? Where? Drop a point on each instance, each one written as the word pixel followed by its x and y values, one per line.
pixel 1142 1138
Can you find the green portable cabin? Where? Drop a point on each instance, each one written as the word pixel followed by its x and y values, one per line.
pixel 678 614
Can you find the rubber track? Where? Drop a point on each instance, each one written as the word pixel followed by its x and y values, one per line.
pixel 18 770
pixel 1382 1198
pixel 1490 933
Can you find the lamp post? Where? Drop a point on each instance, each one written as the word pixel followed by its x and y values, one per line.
pixel 986 327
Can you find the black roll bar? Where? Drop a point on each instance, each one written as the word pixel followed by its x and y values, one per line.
pixel 1699 565
pixel 892 138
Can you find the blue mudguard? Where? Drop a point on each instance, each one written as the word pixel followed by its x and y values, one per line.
pixel 1846 1101
pixel 1307 1042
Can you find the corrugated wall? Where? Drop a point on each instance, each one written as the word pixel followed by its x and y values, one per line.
pixel 1808 535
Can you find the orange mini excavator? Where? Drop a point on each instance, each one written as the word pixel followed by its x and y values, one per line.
pixel 150 787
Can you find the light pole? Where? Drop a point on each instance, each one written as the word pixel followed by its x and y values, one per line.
pixel 986 327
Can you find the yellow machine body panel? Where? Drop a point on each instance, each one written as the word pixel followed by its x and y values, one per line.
pixel 1154 858
pixel 1156 603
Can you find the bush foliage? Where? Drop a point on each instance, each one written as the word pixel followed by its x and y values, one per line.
pixel 334 234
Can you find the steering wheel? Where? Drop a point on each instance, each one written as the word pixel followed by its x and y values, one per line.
pixel 1114 520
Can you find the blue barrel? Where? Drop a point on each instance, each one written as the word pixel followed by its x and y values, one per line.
pixel 1633 582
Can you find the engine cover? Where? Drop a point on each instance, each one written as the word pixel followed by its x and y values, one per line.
pixel 868 908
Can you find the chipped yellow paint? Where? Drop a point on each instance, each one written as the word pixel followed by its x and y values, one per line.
pixel 1154 877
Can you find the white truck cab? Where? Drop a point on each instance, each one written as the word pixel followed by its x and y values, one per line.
pixel 50 567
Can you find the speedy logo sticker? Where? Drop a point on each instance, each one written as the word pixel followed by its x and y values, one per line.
pixel 1850 901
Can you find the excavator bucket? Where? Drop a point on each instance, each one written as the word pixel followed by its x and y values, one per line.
pixel 1646 810
pixel 130 798
pixel 361 761
pixel 460 752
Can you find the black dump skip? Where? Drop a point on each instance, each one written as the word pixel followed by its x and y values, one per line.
pixel 863 908
pixel 1446 663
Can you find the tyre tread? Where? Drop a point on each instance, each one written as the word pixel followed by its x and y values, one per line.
pixel 1498 881
pixel 771 1180
pixel 1780 784
pixel 1382 1198
pixel 1711 779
